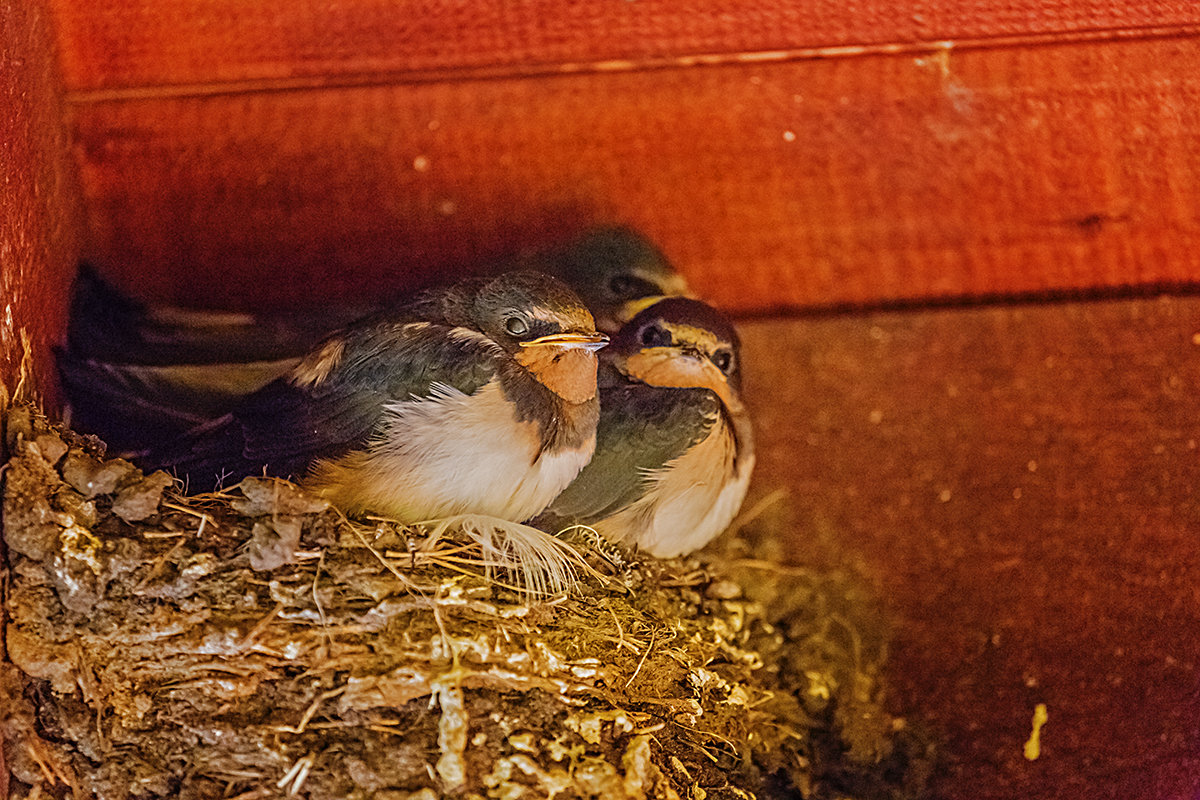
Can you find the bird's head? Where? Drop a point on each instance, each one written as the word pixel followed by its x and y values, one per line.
pixel 681 343
pixel 614 269
pixel 545 327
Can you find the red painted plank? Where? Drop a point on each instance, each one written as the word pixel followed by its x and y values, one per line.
pixel 124 43
pixel 816 183
pixel 1022 486
pixel 39 213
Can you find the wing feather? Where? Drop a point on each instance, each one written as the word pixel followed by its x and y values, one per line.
pixel 642 428
pixel 287 425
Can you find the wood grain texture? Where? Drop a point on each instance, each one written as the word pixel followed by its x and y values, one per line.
pixel 1022 486
pixel 817 183
pixel 39 202
pixel 1018 482
pixel 143 43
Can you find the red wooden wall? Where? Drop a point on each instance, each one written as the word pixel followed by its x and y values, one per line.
pixel 39 202
pixel 828 154
pixel 791 157
pixel 1022 485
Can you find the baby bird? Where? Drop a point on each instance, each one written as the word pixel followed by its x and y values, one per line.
pixel 674 448
pixel 137 373
pixel 478 398
pixel 615 271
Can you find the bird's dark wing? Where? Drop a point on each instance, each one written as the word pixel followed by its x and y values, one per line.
pixel 641 429
pixel 131 406
pixel 109 326
pixel 287 425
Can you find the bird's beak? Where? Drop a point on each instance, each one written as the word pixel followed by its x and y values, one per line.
pixel 672 286
pixel 682 367
pixel 573 341
pixel 676 286
pixel 631 309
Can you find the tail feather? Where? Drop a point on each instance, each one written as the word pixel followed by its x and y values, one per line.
pixel 133 407
pixel 116 405
pixel 137 375
pixel 107 325
pixel 208 457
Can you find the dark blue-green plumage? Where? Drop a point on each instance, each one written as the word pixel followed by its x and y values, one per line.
pixel 348 405
pixel 674 447
pixel 284 427
pixel 642 428
pixel 136 373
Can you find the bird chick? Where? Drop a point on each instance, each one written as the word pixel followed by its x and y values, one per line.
pixel 478 398
pixel 615 270
pixel 137 374
pixel 674 448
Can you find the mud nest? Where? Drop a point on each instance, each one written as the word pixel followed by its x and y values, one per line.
pixel 256 644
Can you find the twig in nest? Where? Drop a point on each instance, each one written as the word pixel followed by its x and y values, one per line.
pixel 729 748
pixel 641 663
pixel 191 512
pixel 400 576
pixel 620 630
pixel 296 775
pixel 452 566
pixel 159 563
pixel 260 626
pixel 321 608
pixel 253 794
pixel 50 776
pixel 51 770
pixel 693 578
pixel 311 711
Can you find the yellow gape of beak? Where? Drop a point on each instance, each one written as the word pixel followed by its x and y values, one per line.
pixel 634 307
pixel 581 341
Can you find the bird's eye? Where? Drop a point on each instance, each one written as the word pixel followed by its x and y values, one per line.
pixel 655 336
pixel 516 326
pixel 631 287
pixel 724 360
pixel 623 285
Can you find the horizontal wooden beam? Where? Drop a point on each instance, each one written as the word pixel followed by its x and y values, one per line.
pixel 132 43
pixel 831 182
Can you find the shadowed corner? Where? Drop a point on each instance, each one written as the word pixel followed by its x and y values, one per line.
pixel 23 391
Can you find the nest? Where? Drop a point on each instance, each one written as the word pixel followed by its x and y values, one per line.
pixel 257 643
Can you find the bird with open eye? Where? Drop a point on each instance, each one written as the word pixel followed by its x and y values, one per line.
pixel 674 447
pixel 479 398
pixel 137 374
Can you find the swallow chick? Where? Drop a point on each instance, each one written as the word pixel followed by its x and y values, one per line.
pixel 137 373
pixel 479 398
pixel 674 448
pixel 615 270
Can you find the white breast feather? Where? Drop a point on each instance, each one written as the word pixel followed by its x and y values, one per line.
pixel 453 454
pixel 693 498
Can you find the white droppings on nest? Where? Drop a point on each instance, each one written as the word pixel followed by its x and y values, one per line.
pixel 639 769
pixel 452 731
